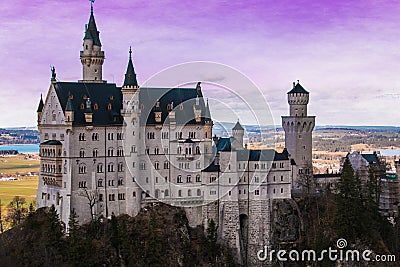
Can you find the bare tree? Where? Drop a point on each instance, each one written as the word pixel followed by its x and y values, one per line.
pixel 92 197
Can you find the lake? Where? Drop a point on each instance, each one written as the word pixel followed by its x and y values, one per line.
pixel 23 148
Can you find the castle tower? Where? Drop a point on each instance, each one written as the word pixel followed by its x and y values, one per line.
pixel 132 146
pixel 92 57
pixel 237 134
pixel 298 134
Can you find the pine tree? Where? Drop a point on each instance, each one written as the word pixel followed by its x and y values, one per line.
pixel 53 232
pixel 74 240
pixel 212 236
pixel 372 195
pixel 349 219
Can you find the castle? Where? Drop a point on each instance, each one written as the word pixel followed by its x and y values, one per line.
pixel 112 150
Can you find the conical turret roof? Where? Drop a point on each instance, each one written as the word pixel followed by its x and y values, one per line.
pixel 91 31
pixel 238 126
pixel 69 106
pixel 130 76
pixel 41 104
pixel 297 88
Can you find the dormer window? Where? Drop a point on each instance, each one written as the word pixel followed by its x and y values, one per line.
pixel 169 107
pixel 111 97
pixel 95 106
pixel 84 97
pixel 109 106
pixel 82 106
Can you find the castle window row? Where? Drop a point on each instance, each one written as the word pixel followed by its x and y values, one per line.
pixel 49 181
pixel 189 193
pixel 82 184
pixel 188 179
pixel 257 191
pixel 47 152
pixel 51 168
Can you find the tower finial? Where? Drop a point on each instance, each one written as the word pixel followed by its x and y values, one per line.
pixel 130 52
pixel 91 5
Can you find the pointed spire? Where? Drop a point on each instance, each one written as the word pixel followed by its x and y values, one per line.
pixel 238 126
pixel 69 106
pixel 207 115
pixel 130 76
pixel 91 29
pixel 41 104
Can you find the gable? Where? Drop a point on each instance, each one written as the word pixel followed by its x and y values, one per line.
pixel 52 113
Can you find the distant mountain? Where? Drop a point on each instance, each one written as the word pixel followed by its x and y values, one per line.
pixel 224 128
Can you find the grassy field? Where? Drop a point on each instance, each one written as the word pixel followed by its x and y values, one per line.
pixel 18 165
pixel 26 186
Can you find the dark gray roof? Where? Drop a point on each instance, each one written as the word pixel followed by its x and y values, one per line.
pixel 207 115
pixel 212 168
pixel 69 105
pixel 262 155
pixel 371 158
pixel 51 142
pixel 238 126
pixel 130 76
pixel 224 144
pixel 40 107
pixel 183 100
pixel 100 94
pixel 103 94
pixel 297 88
pixel 92 32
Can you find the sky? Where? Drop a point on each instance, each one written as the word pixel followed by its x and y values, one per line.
pixel 345 53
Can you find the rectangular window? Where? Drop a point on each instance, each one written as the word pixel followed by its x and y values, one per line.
pixel 257 192
pixel 111 197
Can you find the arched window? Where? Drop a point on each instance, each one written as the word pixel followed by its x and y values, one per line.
pixel 100 167
pixel 110 167
pixel 197 150
pixel 179 179
pixel 109 106
pixel 189 193
pixel 179 193
pixel 179 150
pixel 82 168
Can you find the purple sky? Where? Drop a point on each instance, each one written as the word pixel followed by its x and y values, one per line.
pixel 345 53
